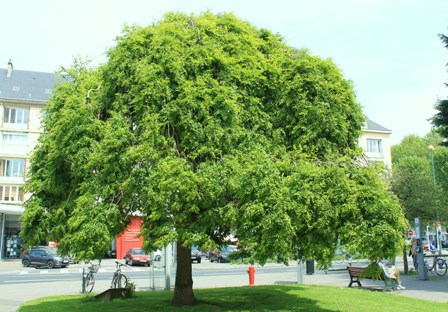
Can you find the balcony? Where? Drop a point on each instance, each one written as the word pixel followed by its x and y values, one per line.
pixel 15 126
pixel 14 150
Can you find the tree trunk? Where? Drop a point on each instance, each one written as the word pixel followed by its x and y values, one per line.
pixel 183 289
pixel 405 260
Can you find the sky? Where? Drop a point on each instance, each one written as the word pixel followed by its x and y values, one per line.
pixel 389 49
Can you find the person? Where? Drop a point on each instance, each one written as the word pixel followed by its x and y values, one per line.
pixel 414 253
pixel 392 273
pixel 433 247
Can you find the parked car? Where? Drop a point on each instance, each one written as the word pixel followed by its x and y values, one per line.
pixel 196 254
pixel 42 256
pixel 111 254
pixel 425 244
pixel 137 256
pixel 221 254
pixel 444 244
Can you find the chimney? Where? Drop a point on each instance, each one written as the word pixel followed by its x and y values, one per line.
pixel 9 70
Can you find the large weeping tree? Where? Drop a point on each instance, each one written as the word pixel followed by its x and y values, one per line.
pixel 207 127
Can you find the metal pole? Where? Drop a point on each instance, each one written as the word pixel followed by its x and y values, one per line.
pixel 168 258
pixel 2 235
pixel 431 154
pixel 422 272
pixel 83 286
pixel 153 271
pixel 299 272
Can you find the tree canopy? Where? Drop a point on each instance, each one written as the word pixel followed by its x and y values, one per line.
pixel 207 126
pixel 413 178
pixel 440 119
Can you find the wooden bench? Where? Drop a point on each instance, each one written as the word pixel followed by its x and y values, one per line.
pixel 357 273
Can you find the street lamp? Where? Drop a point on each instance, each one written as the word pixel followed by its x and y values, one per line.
pixel 431 154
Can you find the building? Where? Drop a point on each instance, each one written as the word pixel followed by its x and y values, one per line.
pixel 375 141
pixel 23 94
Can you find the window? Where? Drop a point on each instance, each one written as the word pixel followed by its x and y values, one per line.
pixel 11 193
pixel 14 143
pixel 12 167
pixel 16 117
pixel 14 139
pixel 374 146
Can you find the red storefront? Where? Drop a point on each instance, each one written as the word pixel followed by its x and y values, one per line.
pixel 129 238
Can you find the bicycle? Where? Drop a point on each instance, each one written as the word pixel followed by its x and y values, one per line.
pixel 119 280
pixel 88 280
pixel 342 256
pixel 438 267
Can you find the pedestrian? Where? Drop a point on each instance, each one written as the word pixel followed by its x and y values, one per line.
pixel 391 273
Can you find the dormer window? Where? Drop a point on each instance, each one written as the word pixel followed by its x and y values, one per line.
pixel 374 146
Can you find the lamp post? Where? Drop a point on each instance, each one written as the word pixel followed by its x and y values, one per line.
pixel 431 155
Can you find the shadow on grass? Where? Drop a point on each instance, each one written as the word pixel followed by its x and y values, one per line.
pixel 257 298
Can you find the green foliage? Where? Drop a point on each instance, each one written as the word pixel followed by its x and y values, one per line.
pixel 58 209
pixel 130 289
pixel 209 127
pixel 238 256
pixel 413 177
pixel 373 271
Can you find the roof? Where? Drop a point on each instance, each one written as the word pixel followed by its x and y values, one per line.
pixel 27 85
pixel 373 126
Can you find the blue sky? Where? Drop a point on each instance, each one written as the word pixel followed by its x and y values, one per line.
pixel 389 48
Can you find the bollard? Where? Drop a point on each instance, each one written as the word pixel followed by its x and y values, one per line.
pixel 251 272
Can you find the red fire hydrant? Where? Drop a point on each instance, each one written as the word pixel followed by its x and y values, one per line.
pixel 251 272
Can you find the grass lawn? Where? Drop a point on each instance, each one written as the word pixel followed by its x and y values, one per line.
pixel 258 298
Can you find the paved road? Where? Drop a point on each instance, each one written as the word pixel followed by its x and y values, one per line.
pixel 18 284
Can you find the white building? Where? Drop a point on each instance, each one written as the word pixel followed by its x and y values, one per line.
pixel 375 141
pixel 22 97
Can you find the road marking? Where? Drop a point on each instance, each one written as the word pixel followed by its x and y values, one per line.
pixel 32 281
pixel 44 272
pixel 64 271
pixel 24 272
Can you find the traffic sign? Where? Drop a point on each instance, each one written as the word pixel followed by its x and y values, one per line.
pixel 410 232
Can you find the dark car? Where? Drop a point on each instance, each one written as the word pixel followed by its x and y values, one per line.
pixel 137 256
pixel 111 254
pixel 44 256
pixel 196 254
pixel 221 254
